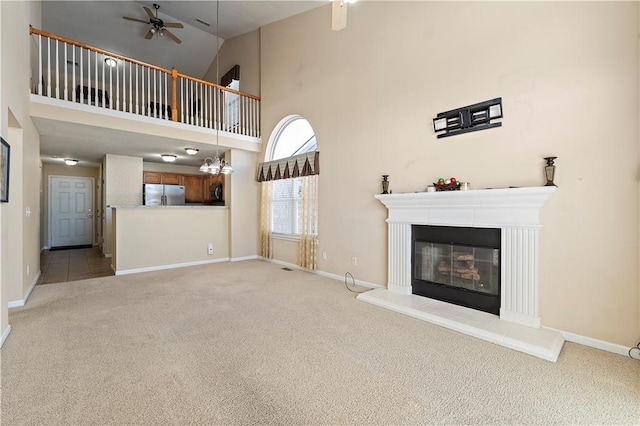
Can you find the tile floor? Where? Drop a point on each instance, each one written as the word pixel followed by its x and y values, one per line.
pixel 72 265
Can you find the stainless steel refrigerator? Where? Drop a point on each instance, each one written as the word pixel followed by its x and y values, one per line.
pixel 163 195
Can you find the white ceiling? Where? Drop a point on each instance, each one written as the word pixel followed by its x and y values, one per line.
pixel 100 24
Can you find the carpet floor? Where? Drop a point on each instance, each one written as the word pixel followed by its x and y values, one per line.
pixel 250 343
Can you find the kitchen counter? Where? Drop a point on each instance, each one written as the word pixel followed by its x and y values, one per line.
pixel 150 238
pixel 186 206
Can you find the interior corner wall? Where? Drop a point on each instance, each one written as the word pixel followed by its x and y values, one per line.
pixel 568 76
pixel 243 50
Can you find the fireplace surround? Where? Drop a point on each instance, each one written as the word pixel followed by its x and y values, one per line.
pixel 516 213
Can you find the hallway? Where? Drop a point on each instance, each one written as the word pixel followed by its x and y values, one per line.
pixel 72 265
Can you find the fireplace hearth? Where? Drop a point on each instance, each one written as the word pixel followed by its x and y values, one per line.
pixel 503 271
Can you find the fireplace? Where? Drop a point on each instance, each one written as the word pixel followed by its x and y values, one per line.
pixel 458 265
pixel 477 244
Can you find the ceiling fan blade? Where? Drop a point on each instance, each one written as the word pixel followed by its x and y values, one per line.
pixel 149 12
pixel 172 37
pixel 135 19
pixel 173 25
pixel 148 35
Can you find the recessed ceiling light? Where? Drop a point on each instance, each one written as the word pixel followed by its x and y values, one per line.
pixel 70 161
pixel 169 158
pixel 192 151
pixel 111 62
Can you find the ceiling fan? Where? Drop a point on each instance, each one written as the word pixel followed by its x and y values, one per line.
pixel 158 26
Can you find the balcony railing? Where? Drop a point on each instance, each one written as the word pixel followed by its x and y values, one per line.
pixel 75 72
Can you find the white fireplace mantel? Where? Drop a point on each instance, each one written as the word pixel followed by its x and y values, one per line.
pixel 516 212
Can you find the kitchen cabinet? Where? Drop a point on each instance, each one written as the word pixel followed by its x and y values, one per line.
pixel 197 188
pixel 193 188
pixel 163 178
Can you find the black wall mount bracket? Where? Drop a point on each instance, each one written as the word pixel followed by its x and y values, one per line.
pixel 469 118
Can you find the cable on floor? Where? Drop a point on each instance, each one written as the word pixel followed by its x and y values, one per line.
pixel 348 274
pixel 636 350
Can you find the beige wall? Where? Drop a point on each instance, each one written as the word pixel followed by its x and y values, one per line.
pixel 150 237
pixel 568 76
pixel 241 189
pixel 243 50
pixel 122 187
pixel 19 230
pixel 49 169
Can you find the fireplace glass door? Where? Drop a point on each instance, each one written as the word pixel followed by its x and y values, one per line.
pixel 457 265
pixel 470 268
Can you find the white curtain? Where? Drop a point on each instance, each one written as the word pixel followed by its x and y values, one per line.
pixel 309 219
pixel 266 244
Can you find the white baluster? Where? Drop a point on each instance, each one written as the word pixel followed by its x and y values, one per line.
pixel 66 86
pixel 104 89
pixel 49 67
pixel 73 73
pixel 154 92
pixel 79 96
pixel 88 77
pixel 137 100
pixel 40 65
pixel 57 82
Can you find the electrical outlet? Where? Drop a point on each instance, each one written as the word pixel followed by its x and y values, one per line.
pixel 354 261
pixel 210 248
pixel 324 255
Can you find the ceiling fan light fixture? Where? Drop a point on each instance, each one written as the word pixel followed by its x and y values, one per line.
pixel 169 158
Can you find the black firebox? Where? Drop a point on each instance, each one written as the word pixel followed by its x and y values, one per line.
pixel 457 265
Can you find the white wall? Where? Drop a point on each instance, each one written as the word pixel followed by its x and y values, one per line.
pixel 568 76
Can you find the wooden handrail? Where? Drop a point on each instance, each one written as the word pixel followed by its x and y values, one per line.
pixel 226 89
pixel 173 72
pixel 95 49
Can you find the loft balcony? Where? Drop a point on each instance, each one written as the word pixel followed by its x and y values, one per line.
pixel 82 86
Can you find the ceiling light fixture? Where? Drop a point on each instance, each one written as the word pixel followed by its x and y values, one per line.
pixel 169 158
pixel 192 151
pixel 111 62
pixel 70 161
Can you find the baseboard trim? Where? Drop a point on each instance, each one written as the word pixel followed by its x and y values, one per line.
pixel 341 278
pixel 107 255
pixel 18 303
pixel 240 259
pixel 594 343
pixel 321 273
pixel 172 266
pixel 5 335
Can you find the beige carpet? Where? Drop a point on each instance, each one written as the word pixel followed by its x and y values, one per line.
pixel 249 343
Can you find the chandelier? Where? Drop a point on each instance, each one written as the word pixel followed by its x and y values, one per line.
pixel 216 166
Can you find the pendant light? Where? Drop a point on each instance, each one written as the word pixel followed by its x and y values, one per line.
pixel 216 165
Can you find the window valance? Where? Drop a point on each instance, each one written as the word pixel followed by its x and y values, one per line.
pixel 291 167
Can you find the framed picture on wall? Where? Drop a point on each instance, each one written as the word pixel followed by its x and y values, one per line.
pixel 5 150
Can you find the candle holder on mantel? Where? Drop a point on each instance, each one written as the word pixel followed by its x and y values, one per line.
pixel 550 171
pixel 385 184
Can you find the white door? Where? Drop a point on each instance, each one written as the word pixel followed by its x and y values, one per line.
pixel 70 211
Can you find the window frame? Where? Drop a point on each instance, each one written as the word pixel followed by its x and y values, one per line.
pixel 269 154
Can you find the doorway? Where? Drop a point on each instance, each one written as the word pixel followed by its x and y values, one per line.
pixel 70 211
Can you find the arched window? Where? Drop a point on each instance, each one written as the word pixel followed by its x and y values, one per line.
pixel 289 206
pixel 293 136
